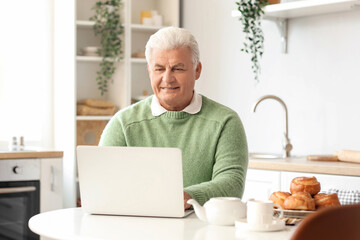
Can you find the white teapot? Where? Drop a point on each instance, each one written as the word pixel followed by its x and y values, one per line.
pixel 220 210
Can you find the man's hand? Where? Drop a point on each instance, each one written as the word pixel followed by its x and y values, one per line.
pixel 186 198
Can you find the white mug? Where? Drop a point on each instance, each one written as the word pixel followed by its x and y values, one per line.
pixel 261 212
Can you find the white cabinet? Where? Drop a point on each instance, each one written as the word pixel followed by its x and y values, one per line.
pixel 51 184
pixel 326 181
pixel 261 183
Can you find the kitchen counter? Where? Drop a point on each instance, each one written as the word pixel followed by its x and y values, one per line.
pixel 74 223
pixel 301 164
pixel 30 153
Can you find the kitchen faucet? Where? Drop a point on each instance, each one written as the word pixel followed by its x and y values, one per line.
pixel 287 147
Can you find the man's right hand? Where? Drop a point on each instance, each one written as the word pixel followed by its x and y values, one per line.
pixel 186 198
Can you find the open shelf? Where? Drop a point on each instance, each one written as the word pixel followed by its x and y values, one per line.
pixel 306 8
pixel 138 60
pixel 92 118
pixel 85 24
pixel 309 8
pixel 88 58
pixel 145 28
pixel 280 13
pixel 91 59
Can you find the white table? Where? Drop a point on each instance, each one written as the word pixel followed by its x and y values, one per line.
pixel 75 224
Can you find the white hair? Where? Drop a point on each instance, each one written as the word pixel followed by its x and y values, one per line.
pixel 170 38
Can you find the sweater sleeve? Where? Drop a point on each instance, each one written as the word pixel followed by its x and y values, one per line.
pixel 230 166
pixel 113 134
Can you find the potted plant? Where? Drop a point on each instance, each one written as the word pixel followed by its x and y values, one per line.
pixel 108 26
pixel 251 13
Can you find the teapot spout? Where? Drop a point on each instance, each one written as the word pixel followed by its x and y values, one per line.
pixel 199 210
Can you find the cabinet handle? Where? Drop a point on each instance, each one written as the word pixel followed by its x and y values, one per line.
pixel 17 190
pixel 52 186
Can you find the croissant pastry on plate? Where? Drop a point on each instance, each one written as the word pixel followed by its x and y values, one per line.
pixel 305 184
pixel 300 201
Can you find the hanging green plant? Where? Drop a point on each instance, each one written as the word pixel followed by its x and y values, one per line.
pixel 108 26
pixel 251 13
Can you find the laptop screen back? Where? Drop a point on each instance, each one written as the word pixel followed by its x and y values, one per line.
pixel 139 181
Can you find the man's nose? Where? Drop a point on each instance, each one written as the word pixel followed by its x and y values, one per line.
pixel 168 76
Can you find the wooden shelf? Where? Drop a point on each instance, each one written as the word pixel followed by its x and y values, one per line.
pixel 93 118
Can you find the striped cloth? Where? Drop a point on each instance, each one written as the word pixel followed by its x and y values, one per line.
pixel 346 196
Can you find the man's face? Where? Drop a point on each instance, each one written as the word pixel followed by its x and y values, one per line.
pixel 173 76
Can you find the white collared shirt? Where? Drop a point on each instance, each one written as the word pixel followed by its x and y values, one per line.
pixel 193 108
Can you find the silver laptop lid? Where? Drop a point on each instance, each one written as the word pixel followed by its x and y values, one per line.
pixel 139 181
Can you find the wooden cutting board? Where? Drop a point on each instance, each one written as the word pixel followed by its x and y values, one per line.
pixel 325 158
pixel 343 156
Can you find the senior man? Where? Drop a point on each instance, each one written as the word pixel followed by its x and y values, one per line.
pixel 210 135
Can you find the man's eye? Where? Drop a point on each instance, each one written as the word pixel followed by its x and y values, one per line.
pixel 179 69
pixel 159 69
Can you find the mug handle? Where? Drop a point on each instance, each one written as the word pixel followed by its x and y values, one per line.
pixel 281 210
pixel 245 203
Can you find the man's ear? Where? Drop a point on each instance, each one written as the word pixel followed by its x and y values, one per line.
pixel 198 71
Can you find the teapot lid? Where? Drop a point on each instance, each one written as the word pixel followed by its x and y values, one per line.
pixel 225 199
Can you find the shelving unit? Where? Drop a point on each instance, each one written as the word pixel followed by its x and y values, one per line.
pixel 136 36
pixel 280 13
pixel 131 77
pixel 75 75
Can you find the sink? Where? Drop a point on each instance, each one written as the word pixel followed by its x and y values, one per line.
pixel 264 155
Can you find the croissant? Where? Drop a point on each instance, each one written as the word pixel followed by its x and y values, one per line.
pixel 325 200
pixel 279 197
pixel 300 201
pixel 305 184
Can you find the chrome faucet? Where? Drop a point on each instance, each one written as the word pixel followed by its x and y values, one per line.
pixel 287 147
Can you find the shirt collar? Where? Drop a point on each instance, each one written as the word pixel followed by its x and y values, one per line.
pixel 193 108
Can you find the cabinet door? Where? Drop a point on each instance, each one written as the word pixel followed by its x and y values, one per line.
pixel 326 181
pixel 261 183
pixel 51 184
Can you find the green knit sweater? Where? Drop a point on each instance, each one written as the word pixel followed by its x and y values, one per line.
pixel 213 144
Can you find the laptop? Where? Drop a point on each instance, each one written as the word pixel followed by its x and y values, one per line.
pixel 135 181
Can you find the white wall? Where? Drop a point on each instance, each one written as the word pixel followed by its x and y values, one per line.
pixel 26 72
pixel 318 78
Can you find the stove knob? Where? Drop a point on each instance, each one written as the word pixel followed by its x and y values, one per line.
pixel 17 170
